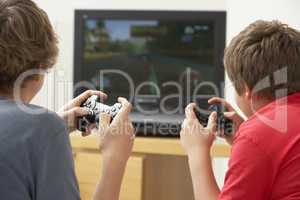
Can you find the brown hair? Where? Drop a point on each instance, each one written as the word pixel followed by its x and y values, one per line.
pixel 27 40
pixel 260 50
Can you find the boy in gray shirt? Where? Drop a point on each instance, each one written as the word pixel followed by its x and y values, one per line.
pixel 35 154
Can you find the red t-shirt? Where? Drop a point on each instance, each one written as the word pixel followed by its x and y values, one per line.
pixel 265 157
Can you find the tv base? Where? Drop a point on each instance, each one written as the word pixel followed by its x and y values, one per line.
pixel 158 125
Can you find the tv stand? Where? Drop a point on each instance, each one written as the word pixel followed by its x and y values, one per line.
pixel 158 168
pixel 158 125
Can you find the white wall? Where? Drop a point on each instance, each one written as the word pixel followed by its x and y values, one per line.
pixel 242 13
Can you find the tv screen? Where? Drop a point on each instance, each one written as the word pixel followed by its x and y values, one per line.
pixel 160 63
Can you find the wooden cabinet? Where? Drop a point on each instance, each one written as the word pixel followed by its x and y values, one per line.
pixel 157 170
pixel 88 168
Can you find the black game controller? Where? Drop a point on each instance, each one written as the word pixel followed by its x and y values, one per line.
pixel 222 123
pixel 96 107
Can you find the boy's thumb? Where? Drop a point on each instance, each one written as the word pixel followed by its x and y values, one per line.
pixel 212 122
pixel 104 121
pixel 229 115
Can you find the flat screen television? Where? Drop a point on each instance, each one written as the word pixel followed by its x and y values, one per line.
pixel 159 60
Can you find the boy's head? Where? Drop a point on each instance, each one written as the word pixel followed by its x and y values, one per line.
pixel 261 60
pixel 27 42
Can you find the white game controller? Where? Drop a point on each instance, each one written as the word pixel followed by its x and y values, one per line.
pixel 95 107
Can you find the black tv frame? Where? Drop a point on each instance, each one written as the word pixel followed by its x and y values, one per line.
pixel 219 18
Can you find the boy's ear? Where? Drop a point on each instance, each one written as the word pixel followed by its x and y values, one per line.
pixel 248 93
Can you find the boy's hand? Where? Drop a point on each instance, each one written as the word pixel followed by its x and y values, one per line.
pixel 117 137
pixel 194 137
pixel 116 146
pixel 72 110
pixel 231 114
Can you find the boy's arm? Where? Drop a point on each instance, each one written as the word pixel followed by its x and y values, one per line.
pixel 116 142
pixel 197 141
pixel 204 182
pixel 55 173
pixel 109 185
pixel 250 168
pixel 116 146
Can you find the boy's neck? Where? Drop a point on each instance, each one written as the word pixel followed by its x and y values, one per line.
pixel 10 96
pixel 257 104
pixel 6 95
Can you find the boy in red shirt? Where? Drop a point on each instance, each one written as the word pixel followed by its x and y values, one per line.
pixel 263 62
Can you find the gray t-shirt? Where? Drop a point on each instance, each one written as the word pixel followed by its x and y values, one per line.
pixel 36 160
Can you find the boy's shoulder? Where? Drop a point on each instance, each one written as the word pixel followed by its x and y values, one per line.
pixel 276 117
pixel 46 118
pixel 274 126
pixel 27 131
pixel 29 119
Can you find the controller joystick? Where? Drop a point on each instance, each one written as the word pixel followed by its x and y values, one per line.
pixel 96 107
